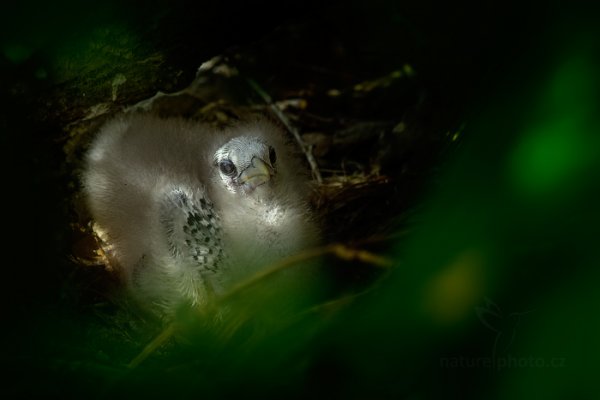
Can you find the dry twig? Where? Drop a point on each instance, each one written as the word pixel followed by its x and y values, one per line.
pixel 284 120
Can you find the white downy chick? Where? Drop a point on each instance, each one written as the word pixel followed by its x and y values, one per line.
pixel 189 210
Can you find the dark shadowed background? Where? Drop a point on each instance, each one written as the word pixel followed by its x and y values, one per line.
pixel 493 290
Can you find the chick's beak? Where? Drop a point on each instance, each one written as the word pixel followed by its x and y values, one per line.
pixel 257 174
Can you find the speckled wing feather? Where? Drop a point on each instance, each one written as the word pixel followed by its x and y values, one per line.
pixel 192 230
pixel 189 269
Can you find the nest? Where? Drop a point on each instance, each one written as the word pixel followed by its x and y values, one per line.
pixel 368 174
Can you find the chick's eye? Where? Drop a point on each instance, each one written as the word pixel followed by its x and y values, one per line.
pixel 272 155
pixel 227 167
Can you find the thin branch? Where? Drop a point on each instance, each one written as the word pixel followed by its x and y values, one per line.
pixel 349 254
pixel 156 343
pixel 339 250
pixel 284 120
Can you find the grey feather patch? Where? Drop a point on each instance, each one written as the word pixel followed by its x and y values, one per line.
pixel 192 230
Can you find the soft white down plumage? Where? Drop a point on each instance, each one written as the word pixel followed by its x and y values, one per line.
pixel 189 210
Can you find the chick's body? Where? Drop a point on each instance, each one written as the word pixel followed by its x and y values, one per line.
pixel 189 210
